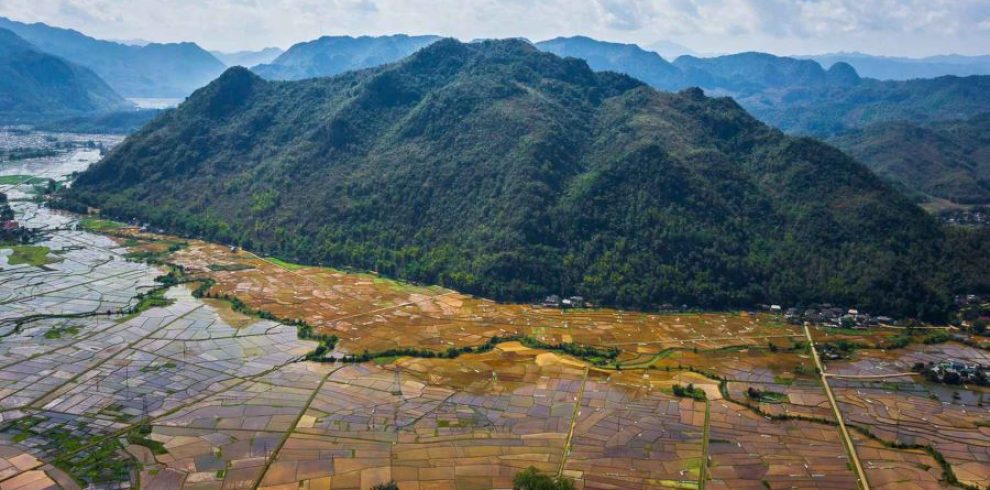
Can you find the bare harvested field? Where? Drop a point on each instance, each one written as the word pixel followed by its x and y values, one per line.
pixel 371 313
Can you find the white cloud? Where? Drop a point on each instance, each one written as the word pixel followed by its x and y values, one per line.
pixel 888 26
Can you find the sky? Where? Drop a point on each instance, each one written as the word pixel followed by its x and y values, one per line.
pixel 887 27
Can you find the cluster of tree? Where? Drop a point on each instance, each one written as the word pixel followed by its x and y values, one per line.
pixel 759 395
pixel 499 170
pixel 596 355
pixel 534 479
pixel 689 391
pixel 450 353
pixel 839 349
pixel 6 212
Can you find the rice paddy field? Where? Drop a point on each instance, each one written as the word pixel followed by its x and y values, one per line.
pixel 136 360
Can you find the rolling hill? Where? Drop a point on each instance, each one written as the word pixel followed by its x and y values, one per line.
pixel 150 71
pixel 36 86
pixel 332 55
pixel 948 160
pixel 504 171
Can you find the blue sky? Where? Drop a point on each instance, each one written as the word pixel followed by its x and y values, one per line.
pixel 893 27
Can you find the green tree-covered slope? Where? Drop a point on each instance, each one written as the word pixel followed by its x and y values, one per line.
pixel 501 170
pixel 948 159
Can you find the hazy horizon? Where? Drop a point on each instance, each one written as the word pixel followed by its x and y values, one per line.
pixel 911 28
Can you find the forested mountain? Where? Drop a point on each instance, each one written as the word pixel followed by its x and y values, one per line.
pixel 622 58
pixel 948 160
pixel 36 86
pixel 897 68
pixel 248 58
pixel 153 70
pixel 332 55
pixel 504 171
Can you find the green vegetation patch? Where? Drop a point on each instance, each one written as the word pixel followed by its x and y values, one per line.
pixel 31 255
pixel 88 458
pixel 56 333
pixel 688 391
pixel 97 224
pixel 285 265
pixel 140 435
pixel 155 256
pixel 534 479
pixel 598 356
pixel 152 299
pixel 229 267
pixel 21 180
pixel 766 396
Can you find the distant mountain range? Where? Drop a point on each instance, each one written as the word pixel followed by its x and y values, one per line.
pixel 948 160
pixel 746 74
pixel 798 96
pixel 152 70
pixel 248 58
pixel 501 170
pixel 36 86
pixel 331 55
pixel 894 68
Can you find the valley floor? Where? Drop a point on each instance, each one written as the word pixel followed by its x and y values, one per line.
pixel 112 379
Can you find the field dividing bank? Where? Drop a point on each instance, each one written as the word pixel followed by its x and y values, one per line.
pixel 703 474
pixel 864 484
pixel 281 443
pixel 573 424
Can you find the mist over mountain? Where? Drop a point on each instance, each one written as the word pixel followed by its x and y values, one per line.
pixel 36 86
pixel 332 55
pixel 248 58
pixel 497 169
pixel 152 70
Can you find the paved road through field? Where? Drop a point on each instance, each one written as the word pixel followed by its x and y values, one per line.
pixel 864 484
